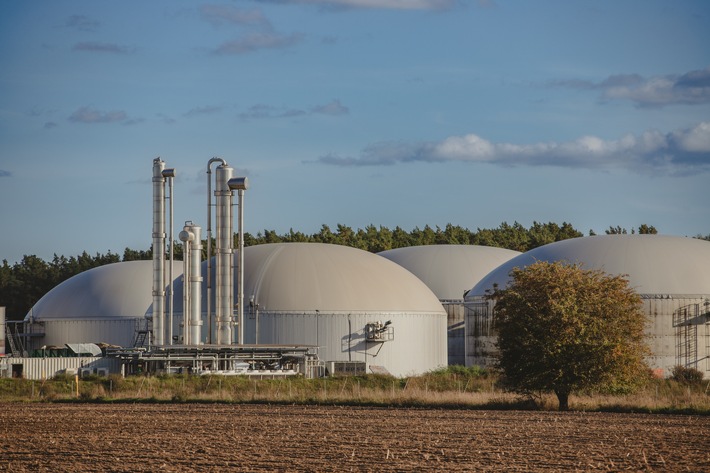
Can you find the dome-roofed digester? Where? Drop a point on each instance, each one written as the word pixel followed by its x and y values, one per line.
pixel 103 304
pixel 449 271
pixel 340 299
pixel 670 273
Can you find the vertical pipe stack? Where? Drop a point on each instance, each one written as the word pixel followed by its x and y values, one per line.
pixel 240 273
pixel 224 295
pixel 158 252
pixel 191 236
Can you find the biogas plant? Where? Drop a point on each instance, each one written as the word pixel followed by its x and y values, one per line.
pixel 314 309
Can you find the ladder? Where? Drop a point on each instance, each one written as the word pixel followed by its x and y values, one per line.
pixel 11 340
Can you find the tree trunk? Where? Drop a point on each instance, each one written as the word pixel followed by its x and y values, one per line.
pixel 563 399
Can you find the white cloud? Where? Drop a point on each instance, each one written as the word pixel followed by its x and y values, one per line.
pixel 676 153
pixel 696 140
pixel 691 88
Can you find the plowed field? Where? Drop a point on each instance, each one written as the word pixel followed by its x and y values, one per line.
pixel 220 437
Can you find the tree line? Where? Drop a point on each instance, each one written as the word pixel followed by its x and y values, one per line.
pixel 22 284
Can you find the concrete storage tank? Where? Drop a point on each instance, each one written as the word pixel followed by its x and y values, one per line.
pixel 104 304
pixel 341 300
pixel 449 271
pixel 671 274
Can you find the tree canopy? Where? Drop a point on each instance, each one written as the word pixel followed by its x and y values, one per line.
pixel 563 329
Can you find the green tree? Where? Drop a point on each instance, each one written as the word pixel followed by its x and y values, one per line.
pixel 564 329
pixel 647 230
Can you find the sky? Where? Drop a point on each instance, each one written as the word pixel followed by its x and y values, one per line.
pixel 356 112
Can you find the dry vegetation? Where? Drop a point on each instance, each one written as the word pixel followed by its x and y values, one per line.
pixel 464 388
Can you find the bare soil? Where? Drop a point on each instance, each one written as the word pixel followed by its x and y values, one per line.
pixel 37 437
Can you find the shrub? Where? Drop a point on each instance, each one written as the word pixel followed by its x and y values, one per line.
pixel 686 375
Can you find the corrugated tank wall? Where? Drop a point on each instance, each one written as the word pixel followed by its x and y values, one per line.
pixel 418 344
pixel 678 332
pixel 120 331
pixel 455 331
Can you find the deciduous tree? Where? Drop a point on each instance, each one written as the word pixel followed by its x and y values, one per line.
pixel 562 329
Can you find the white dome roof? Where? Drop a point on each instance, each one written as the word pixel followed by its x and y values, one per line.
pixel 310 276
pixel 318 276
pixel 450 270
pixel 114 290
pixel 655 264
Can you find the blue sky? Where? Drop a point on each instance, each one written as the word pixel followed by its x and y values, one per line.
pixel 386 112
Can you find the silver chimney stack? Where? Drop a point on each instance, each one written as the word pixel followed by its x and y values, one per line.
pixel 191 236
pixel 224 239
pixel 158 252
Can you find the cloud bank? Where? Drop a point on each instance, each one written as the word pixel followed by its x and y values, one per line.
pixel 90 115
pixel 691 88
pixel 4 173
pixel 676 153
pixel 374 4
pixel 81 23
pixel 96 47
pixel 262 111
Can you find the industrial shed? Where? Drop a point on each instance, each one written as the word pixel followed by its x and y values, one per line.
pixel 339 299
pixel 449 271
pixel 671 274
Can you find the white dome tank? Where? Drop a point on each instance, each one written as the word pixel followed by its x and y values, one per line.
pixel 670 273
pixel 326 295
pixel 102 304
pixel 449 271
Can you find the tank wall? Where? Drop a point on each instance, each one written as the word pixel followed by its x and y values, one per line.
pixel 678 333
pixel 60 332
pixel 419 341
pixel 455 332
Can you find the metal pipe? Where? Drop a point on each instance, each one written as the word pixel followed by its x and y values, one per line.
pixel 169 174
pixel 240 273
pixel 241 184
pixel 185 236
pixel 224 239
pixel 196 285
pixel 158 251
pixel 192 283
pixel 209 244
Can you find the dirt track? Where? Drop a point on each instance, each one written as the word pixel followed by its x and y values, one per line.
pixel 218 437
